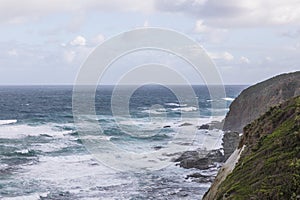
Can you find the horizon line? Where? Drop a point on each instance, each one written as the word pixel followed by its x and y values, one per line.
pixel 26 85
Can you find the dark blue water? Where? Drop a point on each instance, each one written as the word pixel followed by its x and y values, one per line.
pixel 54 103
pixel 43 156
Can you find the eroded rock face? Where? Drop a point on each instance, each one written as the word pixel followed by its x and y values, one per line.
pixel 257 99
pixel 230 142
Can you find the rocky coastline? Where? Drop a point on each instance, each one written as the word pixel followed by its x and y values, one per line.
pixel 269 163
pixel 251 104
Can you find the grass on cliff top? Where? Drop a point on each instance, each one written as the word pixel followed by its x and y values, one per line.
pixel 270 168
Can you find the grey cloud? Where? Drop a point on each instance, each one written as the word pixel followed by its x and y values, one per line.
pixel 228 13
pixel 15 11
pixel 212 8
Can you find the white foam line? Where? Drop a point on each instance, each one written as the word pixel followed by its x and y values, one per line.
pixel 228 99
pixel 10 121
pixel 176 104
pixel 14 131
pixel 185 109
pixel 35 196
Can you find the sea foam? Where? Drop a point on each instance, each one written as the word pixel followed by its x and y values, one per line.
pixel 14 131
pixel 10 121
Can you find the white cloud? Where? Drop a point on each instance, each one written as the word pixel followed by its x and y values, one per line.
pixel 224 56
pixel 227 56
pixel 78 41
pixel 200 27
pixel 13 52
pixel 214 35
pixel 245 60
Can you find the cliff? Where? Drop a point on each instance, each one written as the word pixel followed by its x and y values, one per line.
pixel 253 102
pixel 269 163
pixel 257 99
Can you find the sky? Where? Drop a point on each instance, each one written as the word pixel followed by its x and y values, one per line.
pixel 46 42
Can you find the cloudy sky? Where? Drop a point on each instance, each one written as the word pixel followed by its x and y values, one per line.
pixel 45 42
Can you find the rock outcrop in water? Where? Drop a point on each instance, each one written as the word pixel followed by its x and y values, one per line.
pixel 269 164
pixel 194 159
pixel 257 99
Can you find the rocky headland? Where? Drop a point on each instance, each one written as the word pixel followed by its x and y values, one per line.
pixel 261 143
pixel 268 165
pixel 258 99
pixel 255 101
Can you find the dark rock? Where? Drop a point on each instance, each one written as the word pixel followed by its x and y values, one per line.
pixel 183 194
pixel 200 178
pixel 200 163
pixel 203 126
pixel 194 175
pixel 187 155
pixel 212 125
pixel 185 124
pixel 167 126
pixel 193 159
pixel 157 147
pixel 215 156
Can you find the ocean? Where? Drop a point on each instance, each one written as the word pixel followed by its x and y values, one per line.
pixel 43 155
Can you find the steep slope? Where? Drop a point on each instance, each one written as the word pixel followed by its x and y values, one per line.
pixel 257 99
pixel 269 166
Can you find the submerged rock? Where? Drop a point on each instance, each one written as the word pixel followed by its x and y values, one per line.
pixel 185 124
pixel 212 125
pixel 157 147
pixel 200 178
pixel 204 126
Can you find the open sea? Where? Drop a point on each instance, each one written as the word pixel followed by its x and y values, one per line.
pixel 43 156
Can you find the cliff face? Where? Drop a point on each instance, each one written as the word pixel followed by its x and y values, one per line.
pixel 269 165
pixel 257 99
